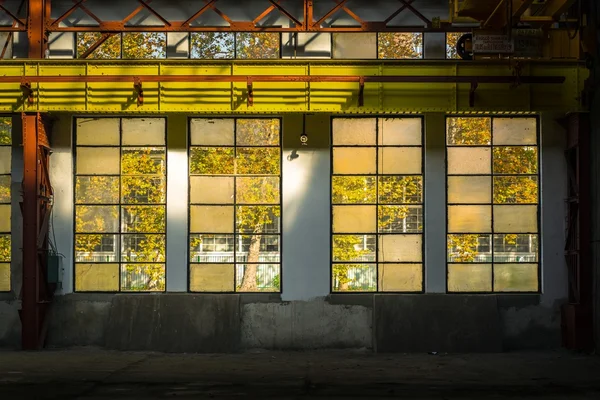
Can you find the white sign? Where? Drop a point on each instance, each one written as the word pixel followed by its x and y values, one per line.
pixel 492 44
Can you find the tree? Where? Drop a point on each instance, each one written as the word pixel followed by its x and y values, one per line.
pixel 395 45
pixel 129 45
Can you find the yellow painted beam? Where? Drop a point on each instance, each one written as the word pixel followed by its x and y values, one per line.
pixel 285 97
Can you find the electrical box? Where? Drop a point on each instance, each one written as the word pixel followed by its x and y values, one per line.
pixel 54 272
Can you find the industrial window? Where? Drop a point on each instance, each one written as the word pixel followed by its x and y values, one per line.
pixel 120 195
pixel 492 194
pixel 235 205
pixel 129 45
pixel 400 45
pixel 377 204
pixel 5 209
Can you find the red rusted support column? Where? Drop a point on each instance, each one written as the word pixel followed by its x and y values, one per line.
pixel 36 29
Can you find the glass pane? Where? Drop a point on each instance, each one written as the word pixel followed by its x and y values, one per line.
pixel 5 217
pixel 469 161
pixel 212 45
pixel 515 189
pixel 400 189
pixel 5 277
pixel 258 277
pixel 144 45
pixel 212 132
pixel 257 248
pixel 144 189
pixel 515 219
pixel 354 131
pixel 143 161
pixel 469 248
pixel 143 277
pixel 400 45
pixel 400 277
pixel 469 219
pixel 98 131
pixel 469 189
pixel 515 131
pixel 400 219
pixel 515 160
pixel 5 252
pixel 143 132
pixel 400 160
pixel 468 131
pixel 354 219
pixel 257 219
pixel 211 190
pixel 98 161
pixel 96 219
pixel 97 189
pixel 257 190
pixel 469 277
pixel 211 160
pixel 212 248
pixel 211 219
pixel 257 132
pixel 110 49
pixel 354 278
pixel 96 248
pixel 516 277
pixel 143 219
pixel 5 131
pixel 5 188
pixel 451 40
pixel 143 248
pixel 211 277
pixel 254 45
pixel 401 248
pixel 97 277
pixel 5 159
pixel 354 160
pixel 257 160
pixel 513 248
pixel 400 131
pixel 358 248
pixel 353 190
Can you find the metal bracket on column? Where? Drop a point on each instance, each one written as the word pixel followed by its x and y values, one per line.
pixel 472 94
pixel 361 91
pixel 137 85
pixel 250 91
pixel 27 91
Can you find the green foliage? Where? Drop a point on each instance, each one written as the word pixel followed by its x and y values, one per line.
pixel 129 45
pixel 4 189
pixel 5 131
pixel 469 131
pixel 257 45
pixel 5 248
pixel 451 41
pixel 209 45
pixel 395 45
pixel 463 248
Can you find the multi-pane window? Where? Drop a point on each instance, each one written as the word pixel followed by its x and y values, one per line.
pixel 128 45
pixel 377 204
pixel 5 169
pixel 492 194
pixel 235 205
pixel 120 196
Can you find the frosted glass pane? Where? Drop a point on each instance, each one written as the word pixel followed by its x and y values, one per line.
pixel 98 132
pixel 400 160
pixel 211 219
pixel 515 131
pixel 5 159
pixel 515 277
pixel 469 277
pixel 354 131
pixel 97 277
pixel 96 219
pixel 354 160
pixel 467 219
pixel 5 218
pixel 211 132
pixel 515 219
pixel 97 189
pixel 211 190
pixel 211 278
pixel 143 131
pixel 354 219
pixel 4 277
pixel 400 277
pixel 469 189
pixel 5 183
pixel 400 131
pixel 257 132
pixel 98 161
pixel 401 248
pixel 469 160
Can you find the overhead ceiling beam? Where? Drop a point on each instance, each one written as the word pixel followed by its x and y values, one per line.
pixel 519 7
pixel 555 8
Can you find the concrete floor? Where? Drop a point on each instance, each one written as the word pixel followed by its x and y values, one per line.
pixel 98 374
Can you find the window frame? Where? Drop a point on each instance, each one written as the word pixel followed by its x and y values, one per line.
pixel 9 204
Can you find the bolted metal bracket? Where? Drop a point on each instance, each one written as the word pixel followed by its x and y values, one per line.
pixel 27 91
pixel 361 91
pixel 250 91
pixel 137 85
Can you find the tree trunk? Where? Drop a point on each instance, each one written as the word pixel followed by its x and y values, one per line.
pixel 249 280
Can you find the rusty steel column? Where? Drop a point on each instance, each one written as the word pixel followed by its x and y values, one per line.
pixel 36 28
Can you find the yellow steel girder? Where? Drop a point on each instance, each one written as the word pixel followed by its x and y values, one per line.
pixel 284 97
